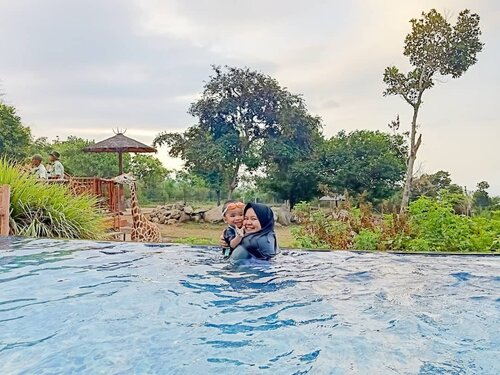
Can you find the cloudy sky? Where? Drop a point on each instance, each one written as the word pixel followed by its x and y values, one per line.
pixel 83 67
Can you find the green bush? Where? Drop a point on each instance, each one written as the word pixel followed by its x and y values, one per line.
pixel 435 227
pixel 431 225
pixel 39 209
pixel 367 240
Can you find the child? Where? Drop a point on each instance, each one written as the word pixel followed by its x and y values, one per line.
pixel 259 240
pixel 232 213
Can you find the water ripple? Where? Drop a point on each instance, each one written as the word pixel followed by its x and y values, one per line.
pixel 86 307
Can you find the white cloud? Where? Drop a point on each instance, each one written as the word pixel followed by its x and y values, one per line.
pixel 83 69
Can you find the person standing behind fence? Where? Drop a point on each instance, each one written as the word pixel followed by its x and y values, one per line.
pixel 37 168
pixel 56 169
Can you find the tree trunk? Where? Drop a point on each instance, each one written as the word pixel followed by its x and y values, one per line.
pixel 217 193
pixel 230 192
pixel 414 145
pixel 233 185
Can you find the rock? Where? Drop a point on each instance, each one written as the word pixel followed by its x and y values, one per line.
pixel 275 214
pixel 284 216
pixel 214 215
pixel 184 217
pixel 171 221
pixel 199 211
pixel 155 220
pixel 188 210
pixel 175 214
pixel 179 206
pixel 196 218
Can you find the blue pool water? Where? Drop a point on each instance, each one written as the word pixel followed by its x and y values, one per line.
pixel 133 308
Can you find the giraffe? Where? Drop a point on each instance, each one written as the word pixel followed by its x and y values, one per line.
pixel 142 229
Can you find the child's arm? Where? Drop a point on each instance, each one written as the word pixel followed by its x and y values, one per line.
pixel 237 240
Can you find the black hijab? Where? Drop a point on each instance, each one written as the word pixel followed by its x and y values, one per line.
pixel 261 244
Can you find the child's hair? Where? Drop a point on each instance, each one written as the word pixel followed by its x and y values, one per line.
pixel 226 205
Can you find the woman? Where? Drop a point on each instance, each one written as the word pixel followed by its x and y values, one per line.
pixel 259 240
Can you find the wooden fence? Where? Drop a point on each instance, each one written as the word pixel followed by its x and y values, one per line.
pixel 4 210
pixel 107 190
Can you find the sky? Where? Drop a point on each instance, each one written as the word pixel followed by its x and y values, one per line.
pixel 84 67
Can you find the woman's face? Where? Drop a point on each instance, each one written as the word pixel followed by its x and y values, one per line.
pixel 251 222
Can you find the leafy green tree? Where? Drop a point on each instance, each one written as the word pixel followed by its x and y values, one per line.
pixel 151 173
pixel 434 48
pixel 481 197
pixel 364 162
pixel 189 186
pixel 431 184
pixel 79 163
pixel 15 138
pixel 290 157
pixel 238 110
pixel 204 156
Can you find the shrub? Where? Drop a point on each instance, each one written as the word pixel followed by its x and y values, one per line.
pixel 367 240
pixel 431 225
pixel 39 209
pixel 436 227
pixel 319 230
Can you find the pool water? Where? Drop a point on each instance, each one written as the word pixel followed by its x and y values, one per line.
pixel 69 307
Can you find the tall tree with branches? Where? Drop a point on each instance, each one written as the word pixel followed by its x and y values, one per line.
pixel 435 48
pixel 238 112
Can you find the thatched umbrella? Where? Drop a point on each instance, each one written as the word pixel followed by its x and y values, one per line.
pixel 119 143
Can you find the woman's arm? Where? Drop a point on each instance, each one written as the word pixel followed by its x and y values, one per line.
pixel 222 240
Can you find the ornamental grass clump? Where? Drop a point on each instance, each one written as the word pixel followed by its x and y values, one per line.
pixel 40 209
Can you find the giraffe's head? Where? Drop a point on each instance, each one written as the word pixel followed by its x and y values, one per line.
pixel 126 179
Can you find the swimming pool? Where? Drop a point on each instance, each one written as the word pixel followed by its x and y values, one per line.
pixel 132 308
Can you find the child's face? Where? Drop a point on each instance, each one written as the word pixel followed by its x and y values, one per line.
pixel 251 222
pixel 234 217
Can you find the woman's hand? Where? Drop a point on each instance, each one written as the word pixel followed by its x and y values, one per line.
pixel 222 241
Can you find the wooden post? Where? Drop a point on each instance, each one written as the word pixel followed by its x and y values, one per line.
pixel 4 210
pixel 120 162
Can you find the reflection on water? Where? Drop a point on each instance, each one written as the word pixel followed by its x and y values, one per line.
pixel 95 307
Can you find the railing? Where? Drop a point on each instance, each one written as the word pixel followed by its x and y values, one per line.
pixel 110 193
pixel 4 210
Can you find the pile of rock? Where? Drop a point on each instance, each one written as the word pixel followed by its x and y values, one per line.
pixel 176 213
pixel 180 212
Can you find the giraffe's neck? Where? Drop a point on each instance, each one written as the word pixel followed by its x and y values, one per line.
pixel 136 210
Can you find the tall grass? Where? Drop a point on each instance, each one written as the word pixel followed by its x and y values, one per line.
pixel 39 209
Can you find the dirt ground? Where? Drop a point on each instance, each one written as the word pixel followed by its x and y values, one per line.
pixel 209 234
pixel 205 234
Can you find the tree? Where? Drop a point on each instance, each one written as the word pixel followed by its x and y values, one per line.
pixel 238 110
pixel 151 173
pixel 430 185
pixel 364 162
pixel 14 137
pixel 481 197
pixel 204 156
pixel 434 48
pixel 80 163
pixel 289 157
